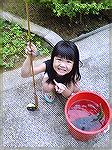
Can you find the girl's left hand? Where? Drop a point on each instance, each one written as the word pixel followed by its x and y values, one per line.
pixel 59 87
pixel 31 50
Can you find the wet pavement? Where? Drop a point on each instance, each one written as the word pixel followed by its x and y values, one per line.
pixel 47 127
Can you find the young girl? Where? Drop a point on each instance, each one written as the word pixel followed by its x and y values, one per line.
pixel 61 71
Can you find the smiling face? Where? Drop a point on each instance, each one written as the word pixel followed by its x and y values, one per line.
pixel 62 66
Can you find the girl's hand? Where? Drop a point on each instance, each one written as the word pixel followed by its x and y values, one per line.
pixel 31 50
pixel 59 87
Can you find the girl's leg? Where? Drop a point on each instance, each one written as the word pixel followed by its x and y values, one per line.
pixel 48 91
pixel 49 96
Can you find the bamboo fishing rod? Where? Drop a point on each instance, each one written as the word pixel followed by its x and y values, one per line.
pixel 31 106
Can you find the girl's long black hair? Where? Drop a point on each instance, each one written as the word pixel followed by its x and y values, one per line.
pixel 68 50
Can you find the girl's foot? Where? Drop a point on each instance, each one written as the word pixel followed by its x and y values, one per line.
pixel 49 97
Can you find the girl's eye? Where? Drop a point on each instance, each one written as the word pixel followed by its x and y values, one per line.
pixel 59 59
pixel 68 61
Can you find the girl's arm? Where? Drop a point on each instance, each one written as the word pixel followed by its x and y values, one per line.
pixel 26 70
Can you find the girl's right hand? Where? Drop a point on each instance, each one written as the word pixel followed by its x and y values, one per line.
pixel 31 50
pixel 59 87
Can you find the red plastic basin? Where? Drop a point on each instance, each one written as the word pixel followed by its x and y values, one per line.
pixel 90 96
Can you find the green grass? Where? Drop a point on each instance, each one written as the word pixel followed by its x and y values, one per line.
pixel 13 42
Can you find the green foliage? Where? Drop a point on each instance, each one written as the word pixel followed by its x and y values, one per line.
pixel 1 58
pixel 72 7
pixel 107 2
pixel 13 42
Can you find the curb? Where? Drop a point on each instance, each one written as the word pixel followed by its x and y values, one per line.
pixel 83 36
pixel 51 37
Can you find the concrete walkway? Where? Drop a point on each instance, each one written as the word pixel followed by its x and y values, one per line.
pixel 47 128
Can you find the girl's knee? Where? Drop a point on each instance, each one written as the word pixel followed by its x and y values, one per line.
pixel 48 88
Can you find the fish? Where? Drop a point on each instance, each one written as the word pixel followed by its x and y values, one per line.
pixel 100 114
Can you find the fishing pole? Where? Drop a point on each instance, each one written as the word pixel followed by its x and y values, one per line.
pixel 31 106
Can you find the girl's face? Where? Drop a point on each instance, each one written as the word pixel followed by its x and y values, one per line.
pixel 62 66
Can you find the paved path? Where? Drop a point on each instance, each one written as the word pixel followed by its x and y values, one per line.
pixel 47 127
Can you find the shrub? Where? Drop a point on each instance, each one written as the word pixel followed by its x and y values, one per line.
pixel 72 7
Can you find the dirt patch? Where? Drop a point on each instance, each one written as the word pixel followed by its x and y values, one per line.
pixel 65 27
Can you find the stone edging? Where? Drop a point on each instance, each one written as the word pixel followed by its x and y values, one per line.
pixel 91 33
